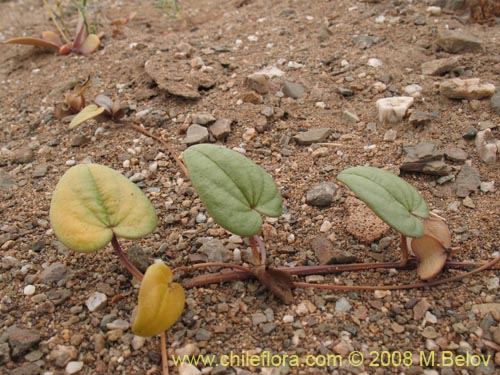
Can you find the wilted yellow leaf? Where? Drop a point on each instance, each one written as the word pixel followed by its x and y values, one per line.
pixel 161 302
pixel 92 202
pixel 89 112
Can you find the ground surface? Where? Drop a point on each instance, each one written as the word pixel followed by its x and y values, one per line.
pixel 308 41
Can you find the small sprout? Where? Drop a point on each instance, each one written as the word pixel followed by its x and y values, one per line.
pixel 92 203
pixel 82 43
pixel 234 190
pixel 104 105
pixel 161 302
pixel 74 101
pixel 432 248
pixel 118 22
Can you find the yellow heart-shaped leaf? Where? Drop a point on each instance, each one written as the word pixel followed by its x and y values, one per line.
pixel 90 44
pixel 89 112
pixel 92 202
pixel 161 302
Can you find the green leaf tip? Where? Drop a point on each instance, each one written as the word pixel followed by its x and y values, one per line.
pixel 92 202
pixel 235 190
pixel 393 199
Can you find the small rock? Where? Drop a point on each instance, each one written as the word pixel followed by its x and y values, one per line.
pixel 137 177
pixel 203 335
pixel 118 324
pixel 54 273
pixel 6 181
pixel 138 342
pixel 425 158
pixel 470 133
pixel 258 318
pixel 374 62
pixel 419 118
pixel 326 254
pixel 249 134
pixel 483 125
pixel 114 335
pixel 74 367
pixel 320 152
pixel 458 41
pixel 493 283
pixel 467 182
pixel 440 66
pixel 29 290
pixel 350 116
pixel 468 202
pixel 455 154
pixel 392 110
pixel 221 128
pixel 259 83
pixel 484 309
pixel 495 102
pixel 188 369
pixel 215 251
pixel 40 170
pixel 342 305
pixel 202 118
pixel 21 340
pixel 321 195
pixel 413 90
pixel 80 140
pixel 293 90
pixel 267 328
pixel 27 369
pixel 487 146
pixel 457 88
pixel 312 136
pixel 362 222
pixel 62 354
pixel 196 134
pixel 390 135
pixel 4 353
pixel 139 258
pixel 487 187
pixel 23 155
pixel 96 301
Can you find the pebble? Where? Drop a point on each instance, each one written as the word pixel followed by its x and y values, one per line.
pixel 493 283
pixel 215 251
pixel 457 88
pixel 188 369
pixel 458 41
pixel 118 324
pixel 268 328
pixel 350 116
pixel 390 135
pixel 258 82
pixel 61 355
pixel 6 181
pixel 96 301
pixel 320 152
pixel 40 170
pixel 392 110
pixel 80 140
pixel 201 218
pixel 467 181
pixel 487 187
pixel 288 318
pixel 23 155
pixel 29 290
pixel 312 136
pixel 21 340
pixel 293 90
pixel 196 134
pixel 321 195
pixel 433 10
pixel 258 318
pixel 53 273
pixel 137 177
pixel 487 146
pixel 440 66
pixel 221 128
pixel 413 90
pixel 138 342
pixel 203 335
pixel 325 227
pixel 139 258
pixel 74 367
pixel 362 222
pixel 342 305
pixel 202 118
pixel 495 102
pixel 375 63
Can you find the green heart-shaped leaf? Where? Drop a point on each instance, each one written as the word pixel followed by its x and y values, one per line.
pixel 92 202
pixel 161 302
pixel 234 189
pixel 89 112
pixel 394 200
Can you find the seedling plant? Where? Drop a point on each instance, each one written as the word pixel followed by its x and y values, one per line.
pixel 94 205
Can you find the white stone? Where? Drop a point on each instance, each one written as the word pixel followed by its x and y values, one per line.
pixel 96 301
pixel 472 88
pixel 392 110
pixel 187 369
pixel 29 290
pixel 487 146
pixel 325 227
pixel 73 367
pixel 375 63
pixel 380 19
pixel 433 10
pixel 288 318
pixel 271 72
pixel 138 342
pixel 342 305
pixel 413 90
pixel 379 87
pixel 487 187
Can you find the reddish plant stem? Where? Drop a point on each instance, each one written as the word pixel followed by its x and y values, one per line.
pixel 123 258
pixel 262 249
pixel 400 287
pixel 211 264
pixel 255 252
pixel 164 356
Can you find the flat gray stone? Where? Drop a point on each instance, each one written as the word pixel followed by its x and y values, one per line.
pixel 40 170
pixel 419 118
pixel 321 195
pixel 54 273
pixel 216 251
pixel 467 182
pixel 196 134
pixel 440 66
pixel 23 155
pixel 312 136
pixel 258 82
pixel 21 340
pixel 221 128
pixel 495 102
pixel 455 154
pixel 293 90
pixel 458 41
pixel 27 369
pixel 7 182
pixel 202 118
pixel 472 88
